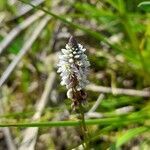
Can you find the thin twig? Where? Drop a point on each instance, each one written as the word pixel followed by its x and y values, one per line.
pixel 16 31
pixel 89 115
pixel 30 134
pixel 118 91
pixel 97 103
pixel 8 138
pixel 24 49
pixel 124 110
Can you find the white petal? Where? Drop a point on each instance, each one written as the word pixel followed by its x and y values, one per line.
pixel 62 83
pixel 67 46
pixel 80 46
pixel 76 56
pixel 70 94
pixel 70 55
pixel 64 51
pixel 59 70
pixel 71 60
pixel 74 52
pixel 83 49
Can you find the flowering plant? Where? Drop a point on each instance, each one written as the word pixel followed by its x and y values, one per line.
pixel 73 67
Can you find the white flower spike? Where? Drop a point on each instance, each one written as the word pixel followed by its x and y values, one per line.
pixel 73 67
pixel 73 63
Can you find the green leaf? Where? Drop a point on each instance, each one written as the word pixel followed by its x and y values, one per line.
pixel 103 121
pixel 145 6
pixel 130 134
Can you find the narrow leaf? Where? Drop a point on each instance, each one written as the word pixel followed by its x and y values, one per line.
pixel 130 134
pixel 145 6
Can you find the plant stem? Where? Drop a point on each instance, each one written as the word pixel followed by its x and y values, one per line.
pixel 84 128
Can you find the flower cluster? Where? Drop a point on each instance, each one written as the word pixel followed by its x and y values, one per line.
pixel 73 66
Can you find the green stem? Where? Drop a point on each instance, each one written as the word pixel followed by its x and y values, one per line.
pixel 84 128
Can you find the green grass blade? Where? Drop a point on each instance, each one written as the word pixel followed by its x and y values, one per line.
pixel 130 134
pixel 96 35
pixel 144 6
pixel 103 121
